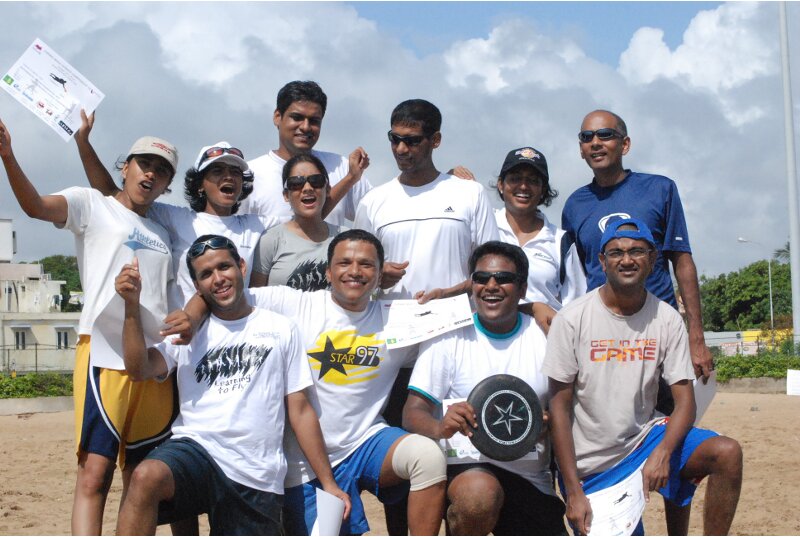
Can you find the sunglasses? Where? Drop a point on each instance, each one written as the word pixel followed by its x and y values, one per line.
pixel 297 182
pixel 215 243
pixel 502 277
pixel 217 151
pixel 603 134
pixel 410 141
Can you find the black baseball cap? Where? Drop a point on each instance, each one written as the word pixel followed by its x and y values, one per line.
pixel 526 155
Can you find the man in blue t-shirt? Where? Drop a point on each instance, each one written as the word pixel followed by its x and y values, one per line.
pixel 619 193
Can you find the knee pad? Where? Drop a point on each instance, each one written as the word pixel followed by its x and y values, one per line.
pixel 419 460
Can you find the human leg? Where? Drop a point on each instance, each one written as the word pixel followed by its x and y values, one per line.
pixel 95 473
pixel 677 518
pixel 396 514
pixel 151 483
pixel 419 461
pixel 719 458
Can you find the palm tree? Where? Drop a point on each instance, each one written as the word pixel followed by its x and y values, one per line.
pixel 782 254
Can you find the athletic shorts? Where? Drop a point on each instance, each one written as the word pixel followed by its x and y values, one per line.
pixel 202 487
pixel 526 510
pixel 361 470
pixel 116 417
pixel 678 490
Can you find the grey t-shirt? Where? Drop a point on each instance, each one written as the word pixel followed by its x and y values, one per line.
pixel 614 362
pixel 291 260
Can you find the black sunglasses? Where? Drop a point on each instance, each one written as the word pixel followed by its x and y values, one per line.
pixel 410 141
pixel 502 277
pixel 217 151
pixel 215 243
pixel 297 182
pixel 603 134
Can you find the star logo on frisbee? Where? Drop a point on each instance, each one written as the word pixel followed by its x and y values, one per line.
pixel 507 416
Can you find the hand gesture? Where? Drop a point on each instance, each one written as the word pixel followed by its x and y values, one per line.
pixel 128 283
pixel 358 162
pixel 702 361
pixel 459 418
pixel 462 172
pixel 392 273
pixel 87 122
pixel 178 324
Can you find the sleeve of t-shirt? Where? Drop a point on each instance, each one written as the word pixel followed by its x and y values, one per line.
pixel 277 298
pixel 362 219
pixel 79 208
pixel 355 195
pixel 575 278
pixel 170 353
pixel 560 359
pixel 677 365
pixel 433 373
pixel 171 217
pixel 268 221
pixel 676 234
pixel 484 225
pixel 298 373
pixel 266 249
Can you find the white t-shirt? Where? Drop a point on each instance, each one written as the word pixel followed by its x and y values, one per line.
pixel 352 370
pixel 107 236
pixel 267 195
pixel 232 381
pixel 544 259
pixel 451 365
pixel 185 225
pixel 434 227
pixel 615 362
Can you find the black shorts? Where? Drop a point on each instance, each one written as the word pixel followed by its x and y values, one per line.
pixel 202 487
pixel 526 510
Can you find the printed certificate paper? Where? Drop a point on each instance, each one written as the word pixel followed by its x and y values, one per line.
pixel 51 88
pixel 407 322
pixel 617 509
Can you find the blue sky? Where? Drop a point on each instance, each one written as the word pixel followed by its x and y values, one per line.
pixel 698 84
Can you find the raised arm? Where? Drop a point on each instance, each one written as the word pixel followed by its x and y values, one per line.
pixel 358 161
pixel 48 208
pixel 305 424
pixel 98 175
pixel 141 363
pixel 686 274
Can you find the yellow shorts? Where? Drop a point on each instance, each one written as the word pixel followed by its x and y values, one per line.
pixel 115 416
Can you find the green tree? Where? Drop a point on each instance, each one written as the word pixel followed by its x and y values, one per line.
pixel 740 300
pixel 782 254
pixel 63 267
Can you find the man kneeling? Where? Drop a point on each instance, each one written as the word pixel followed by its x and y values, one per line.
pixel 505 498
pixel 241 376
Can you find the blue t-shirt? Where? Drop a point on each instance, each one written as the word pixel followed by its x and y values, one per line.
pixel 651 198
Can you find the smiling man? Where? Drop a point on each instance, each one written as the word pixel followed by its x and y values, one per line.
pixel 298 118
pixel 239 380
pixel 606 352
pixel 504 498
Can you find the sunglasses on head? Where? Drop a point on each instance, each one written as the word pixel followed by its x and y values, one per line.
pixel 215 243
pixel 217 151
pixel 297 182
pixel 502 277
pixel 603 134
pixel 410 141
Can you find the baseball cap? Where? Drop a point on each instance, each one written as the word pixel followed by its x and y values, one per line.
pixel 231 157
pixel 642 232
pixel 525 155
pixel 150 145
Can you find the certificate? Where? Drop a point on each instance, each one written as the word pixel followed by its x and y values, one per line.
pixel 704 394
pixel 51 88
pixel 407 322
pixel 616 510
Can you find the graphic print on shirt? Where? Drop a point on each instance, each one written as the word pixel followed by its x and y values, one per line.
pixel 623 350
pixel 309 276
pixel 346 357
pixel 231 368
pixel 142 241
pixel 603 222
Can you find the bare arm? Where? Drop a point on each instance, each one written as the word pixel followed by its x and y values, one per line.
pixel 305 424
pixel 579 512
pixel 541 312
pixel 98 175
pixel 358 162
pixel 48 208
pixel 141 363
pixel 686 274
pixel 197 312
pixel 437 293
pixel 655 473
pixel 418 418
pixel 462 172
pixel 258 279
pixel 392 273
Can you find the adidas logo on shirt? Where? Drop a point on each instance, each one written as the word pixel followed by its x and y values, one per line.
pixel 449 210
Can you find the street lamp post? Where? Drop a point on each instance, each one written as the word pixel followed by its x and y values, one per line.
pixel 769 279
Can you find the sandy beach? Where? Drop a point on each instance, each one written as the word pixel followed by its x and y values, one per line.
pixel 37 466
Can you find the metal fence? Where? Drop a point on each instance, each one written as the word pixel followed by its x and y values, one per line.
pixel 36 358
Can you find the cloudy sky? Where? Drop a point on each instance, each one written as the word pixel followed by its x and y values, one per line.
pixel 699 85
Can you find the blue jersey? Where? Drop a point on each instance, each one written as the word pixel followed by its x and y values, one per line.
pixel 651 198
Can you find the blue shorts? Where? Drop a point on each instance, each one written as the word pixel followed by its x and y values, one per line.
pixel 361 470
pixel 677 490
